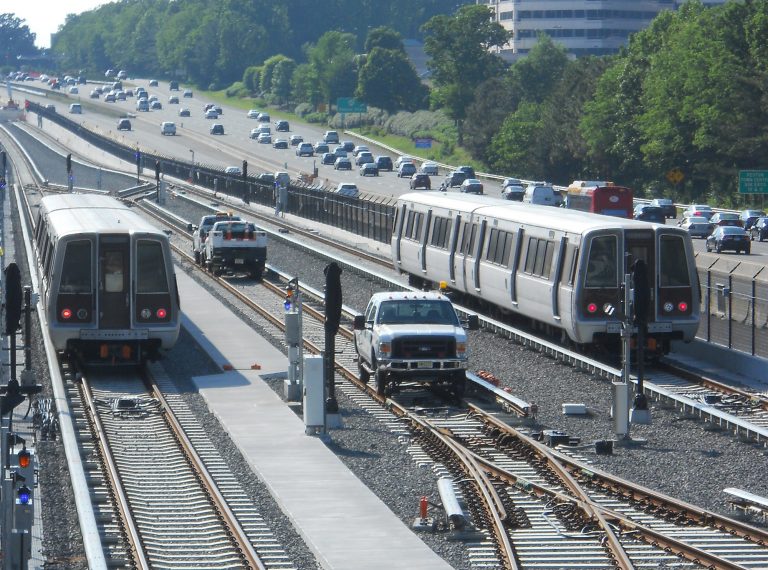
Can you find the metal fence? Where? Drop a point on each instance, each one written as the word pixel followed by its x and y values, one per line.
pixel 734 304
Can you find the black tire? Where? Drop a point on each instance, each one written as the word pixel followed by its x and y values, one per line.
pixel 460 386
pixel 381 382
pixel 365 376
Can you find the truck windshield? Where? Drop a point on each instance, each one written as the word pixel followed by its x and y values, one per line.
pixel 427 312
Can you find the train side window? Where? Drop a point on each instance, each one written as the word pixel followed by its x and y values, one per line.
pixel 470 242
pixel 409 225
pixel 48 257
pixel 150 268
pixel 76 268
pixel 509 240
pixel 530 255
pixel 548 254
pixel 45 250
pixel 673 272
pixel 602 263
pixel 493 242
pixel 440 231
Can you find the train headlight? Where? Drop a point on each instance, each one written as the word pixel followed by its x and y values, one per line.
pixel 682 306
pixel 82 314
pixel 161 313
pixel 385 349
pixel 66 314
pixel 668 307
pixel 145 314
pixel 592 308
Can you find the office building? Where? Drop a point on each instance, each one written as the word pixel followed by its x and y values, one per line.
pixel 583 27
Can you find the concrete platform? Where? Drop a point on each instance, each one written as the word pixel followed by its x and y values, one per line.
pixel 342 521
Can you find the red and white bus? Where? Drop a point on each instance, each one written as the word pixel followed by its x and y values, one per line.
pixel 600 197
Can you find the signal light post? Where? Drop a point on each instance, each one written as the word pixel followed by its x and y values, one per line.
pixel 293 338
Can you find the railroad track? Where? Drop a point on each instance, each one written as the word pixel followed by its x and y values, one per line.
pixel 159 497
pixel 536 508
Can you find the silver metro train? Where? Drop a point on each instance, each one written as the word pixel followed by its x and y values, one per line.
pixel 562 270
pixel 107 280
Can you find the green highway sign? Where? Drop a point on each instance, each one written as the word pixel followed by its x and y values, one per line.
pixel 351 105
pixel 753 181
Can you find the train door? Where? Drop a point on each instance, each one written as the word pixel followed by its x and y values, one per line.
pixel 114 282
pixel 454 244
pixel 640 245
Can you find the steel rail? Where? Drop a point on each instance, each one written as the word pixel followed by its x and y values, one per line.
pixel 113 476
pixel 494 506
pixel 237 534
pixel 635 492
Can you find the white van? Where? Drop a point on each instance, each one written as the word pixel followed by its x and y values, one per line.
pixel 76 108
pixel 168 128
pixel 542 195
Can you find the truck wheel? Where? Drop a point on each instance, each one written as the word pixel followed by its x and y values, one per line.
pixel 381 382
pixel 460 386
pixel 258 272
pixel 365 376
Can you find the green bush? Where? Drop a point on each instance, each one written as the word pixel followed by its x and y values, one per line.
pixel 303 109
pixel 237 89
pixel 316 118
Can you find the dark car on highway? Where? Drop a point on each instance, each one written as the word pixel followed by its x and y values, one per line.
pixel 420 181
pixel 729 238
pixel 384 163
pixel 649 214
pixel 666 205
pixel 369 169
pixel 328 158
pixel 123 125
pixel 342 163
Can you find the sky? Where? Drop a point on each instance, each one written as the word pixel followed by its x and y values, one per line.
pixel 43 17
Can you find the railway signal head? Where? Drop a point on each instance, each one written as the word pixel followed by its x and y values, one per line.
pixel 69 163
pixel 289 292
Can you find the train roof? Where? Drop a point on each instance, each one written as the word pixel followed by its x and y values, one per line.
pixel 87 213
pixel 563 219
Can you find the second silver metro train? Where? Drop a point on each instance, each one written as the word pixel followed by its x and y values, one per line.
pixel 561 269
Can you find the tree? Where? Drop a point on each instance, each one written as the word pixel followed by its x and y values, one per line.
pixel 267 69
pixel 385 38
pixel 332 58
pixel 517 150
pixel 305 85
pixel 460 57
pixel 494 100
pixel 252 78
pixel 534 76
pixel 388 81
pixel 15 39
pixel 281 79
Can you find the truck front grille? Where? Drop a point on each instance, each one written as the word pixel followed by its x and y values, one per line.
pixel 424 347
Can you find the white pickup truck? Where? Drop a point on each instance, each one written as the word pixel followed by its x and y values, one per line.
pixel 200 233
pixel 412 336
pixel 237 246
